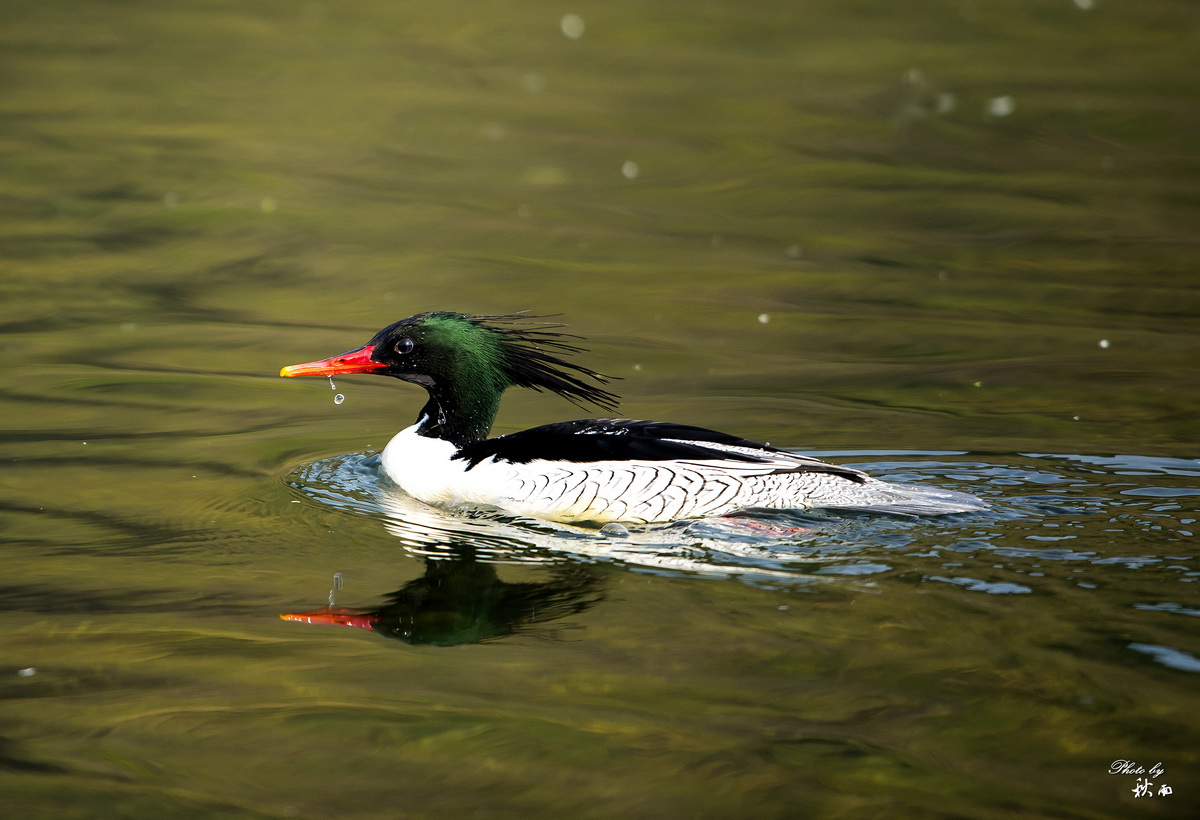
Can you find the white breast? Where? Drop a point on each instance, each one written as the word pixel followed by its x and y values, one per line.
pixel 423 468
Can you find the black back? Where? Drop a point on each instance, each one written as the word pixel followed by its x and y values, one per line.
pixel 588 440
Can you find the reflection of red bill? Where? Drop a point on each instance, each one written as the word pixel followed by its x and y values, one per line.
pixel 336 616
pixel 355 361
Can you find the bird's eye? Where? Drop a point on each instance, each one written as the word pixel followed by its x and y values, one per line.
pixel 404 346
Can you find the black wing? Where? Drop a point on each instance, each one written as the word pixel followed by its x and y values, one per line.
pixel 588 440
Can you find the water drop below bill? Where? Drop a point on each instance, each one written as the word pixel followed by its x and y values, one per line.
pixel 339 398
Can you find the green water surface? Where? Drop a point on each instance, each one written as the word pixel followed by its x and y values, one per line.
pixel 950 242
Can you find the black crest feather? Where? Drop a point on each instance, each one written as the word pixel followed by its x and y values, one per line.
pixel 529 345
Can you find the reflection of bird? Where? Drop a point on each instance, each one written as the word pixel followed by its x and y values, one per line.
pixel 598 470
pixel 461 601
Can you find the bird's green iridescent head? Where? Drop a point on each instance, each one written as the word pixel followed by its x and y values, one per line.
pixel 466 362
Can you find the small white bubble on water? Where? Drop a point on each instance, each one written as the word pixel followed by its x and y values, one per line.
pixel 1001 106
pixel 630 170
pixel 1104 343
pixel 763 318
pixel 27 672
pixel 533 83
pixel 339 398
pixel 572 26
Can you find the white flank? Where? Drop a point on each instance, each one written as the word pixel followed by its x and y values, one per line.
pixel 643 492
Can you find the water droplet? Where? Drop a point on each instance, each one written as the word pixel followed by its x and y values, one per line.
pixel 1104 343
pixel 332 386
pixel 630 170
pixel 339 398
pixel 1001 106
pixel 572 26
pixel 27 672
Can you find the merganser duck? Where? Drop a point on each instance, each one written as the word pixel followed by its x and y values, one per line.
pixel 592 471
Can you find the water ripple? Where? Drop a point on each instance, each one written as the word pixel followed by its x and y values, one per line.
pixel 1110 527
